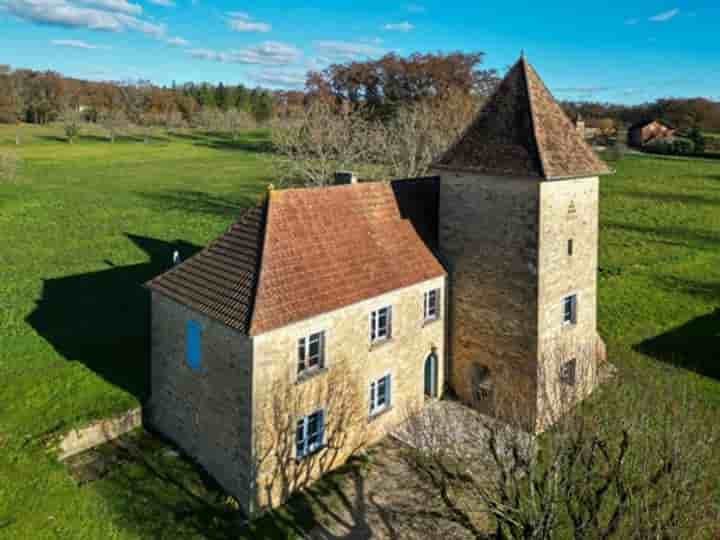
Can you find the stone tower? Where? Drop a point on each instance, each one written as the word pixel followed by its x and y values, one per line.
pixel 519 237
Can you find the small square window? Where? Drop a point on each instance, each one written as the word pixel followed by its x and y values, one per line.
pixel 311 352
pixel 571 247
pixel 310 434
pixel 567 372
pixel 570 310
pixel 380 395
pixel 381 324
pixel 431 305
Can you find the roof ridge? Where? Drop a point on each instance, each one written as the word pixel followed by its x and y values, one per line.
pixel 533 120
pixel 259 263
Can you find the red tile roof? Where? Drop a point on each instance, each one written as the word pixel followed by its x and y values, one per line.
pixel 306 252
pixel 522 131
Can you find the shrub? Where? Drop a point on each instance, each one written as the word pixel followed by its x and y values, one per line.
pixel 677 146
pixel 698 139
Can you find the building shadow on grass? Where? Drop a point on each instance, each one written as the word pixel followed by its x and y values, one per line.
pixel 156 492
pixel 694 345
pixel 102 318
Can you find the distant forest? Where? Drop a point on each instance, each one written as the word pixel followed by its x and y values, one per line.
pixel 380 87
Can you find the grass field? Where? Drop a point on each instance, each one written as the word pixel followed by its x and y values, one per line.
pixel 86 224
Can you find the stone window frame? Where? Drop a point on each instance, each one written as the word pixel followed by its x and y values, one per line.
pixel 303 344
pixel 303 446
pixel 569 316
pixel 427 316
pixel 568 372
pixel 374 319
pixel 374 408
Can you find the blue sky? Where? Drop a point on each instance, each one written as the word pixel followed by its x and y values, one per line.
pixel 614 51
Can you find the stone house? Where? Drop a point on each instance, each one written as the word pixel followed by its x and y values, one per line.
pixel 324 316
pixel 643 132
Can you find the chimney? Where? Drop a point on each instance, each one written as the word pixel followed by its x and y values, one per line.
pixel 345 177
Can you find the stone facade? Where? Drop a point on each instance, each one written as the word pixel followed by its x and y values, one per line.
pixel 505 244
pixel 350 355
pixel 568 258
pixel 489 244
pixel 206 412
pixel 237 415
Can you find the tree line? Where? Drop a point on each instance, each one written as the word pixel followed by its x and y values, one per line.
pixel 680 113
pixel 40 97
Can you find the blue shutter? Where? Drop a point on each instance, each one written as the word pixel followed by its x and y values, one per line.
pixel 193 334
pixel 321 427
pixel 389 390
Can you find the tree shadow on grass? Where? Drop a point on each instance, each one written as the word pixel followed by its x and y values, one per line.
pixel 694 346
pixel 680 198
pixel 247 141
pixel 157 492
pixel 102 318
pixel 205 203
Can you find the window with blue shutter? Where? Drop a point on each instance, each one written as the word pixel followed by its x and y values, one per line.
pixel 380 395
pixel 310 434
pixel 193 345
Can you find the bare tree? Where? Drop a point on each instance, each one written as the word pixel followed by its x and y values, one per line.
pixel 235 120
pixel 114 121
pixel 320 141
pixel 10 164
pixel 209 119
pixel 325 138
pixel 71 119
pixel 277 467
pixel 629 464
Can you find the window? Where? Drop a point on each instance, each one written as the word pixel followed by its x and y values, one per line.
pixel 310 433
pixel 311 352
pixel 381 324
pixel 570 247
pixel 431 305
pixel 380 395
pixel 567 372
pixel 570 310
pixel 193 335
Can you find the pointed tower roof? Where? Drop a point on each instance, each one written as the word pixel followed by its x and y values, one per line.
pixel 522 131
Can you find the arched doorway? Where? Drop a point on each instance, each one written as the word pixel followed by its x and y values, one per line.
pixel 431 373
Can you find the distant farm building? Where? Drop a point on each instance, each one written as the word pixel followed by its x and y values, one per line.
pixel 642 133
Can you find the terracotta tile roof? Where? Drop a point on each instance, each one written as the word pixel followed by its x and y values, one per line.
pixel 522 131
pixel 310 251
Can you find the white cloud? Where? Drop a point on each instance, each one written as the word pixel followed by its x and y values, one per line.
pixel 163 3
pixel 71 15
pixel 119 6
pixel 177 42
pixel 404 26
pixel 282 79
pixel 665 16
pixel 242 22
pixel 345 50
pixel 75 44
pixel 268 53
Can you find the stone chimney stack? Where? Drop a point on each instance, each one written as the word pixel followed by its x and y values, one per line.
pixel 345 177
pixel 580 125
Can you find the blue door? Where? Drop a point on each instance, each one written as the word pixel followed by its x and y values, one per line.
pixel 431 376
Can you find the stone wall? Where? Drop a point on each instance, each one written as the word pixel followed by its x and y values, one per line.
pixel 569 210
pixel 280 399
pixel 206 412
pixel 489 243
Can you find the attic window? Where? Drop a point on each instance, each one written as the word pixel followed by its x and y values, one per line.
pixel 570 247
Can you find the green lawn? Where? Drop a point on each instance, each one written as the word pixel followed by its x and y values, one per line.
pixel 87 223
